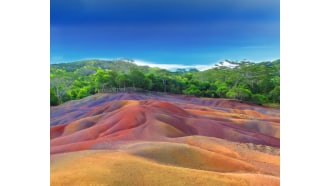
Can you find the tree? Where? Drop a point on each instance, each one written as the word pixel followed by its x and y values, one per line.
pixel 164 77
pixel 211 91
pixel 60 87
pixel 222 89
pixel 256 82
pixel 147 85
pixel 192 90
pixel 53 98
pixel 104 79
pixel 101 80
pixel 259 99
pixel 239 93
pixel 136 77
pixel 122 80
pixel 274 95
pixel 84 92
pixel 156 84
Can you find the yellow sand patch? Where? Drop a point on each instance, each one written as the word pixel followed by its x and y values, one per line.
pixel 118 168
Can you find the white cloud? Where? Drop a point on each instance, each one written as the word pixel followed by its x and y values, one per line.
pixel 227 64
pixel 172 66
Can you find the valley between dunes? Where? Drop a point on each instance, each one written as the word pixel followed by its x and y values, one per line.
pixel 147 139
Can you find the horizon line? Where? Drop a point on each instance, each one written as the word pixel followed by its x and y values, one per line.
pixel 167 66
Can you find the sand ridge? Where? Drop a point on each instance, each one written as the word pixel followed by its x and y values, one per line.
pixel 223 141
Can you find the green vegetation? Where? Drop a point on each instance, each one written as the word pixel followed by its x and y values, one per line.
pixel 253 82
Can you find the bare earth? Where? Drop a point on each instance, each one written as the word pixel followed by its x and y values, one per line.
pixel 139 139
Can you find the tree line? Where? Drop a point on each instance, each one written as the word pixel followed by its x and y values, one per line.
pixel 247 81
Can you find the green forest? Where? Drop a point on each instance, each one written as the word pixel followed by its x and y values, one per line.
pixel 257 83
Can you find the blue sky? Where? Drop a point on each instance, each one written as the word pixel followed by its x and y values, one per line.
pixel 186 32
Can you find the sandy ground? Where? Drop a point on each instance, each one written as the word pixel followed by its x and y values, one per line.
pixel 136 139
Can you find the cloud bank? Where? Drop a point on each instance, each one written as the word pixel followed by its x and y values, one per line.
pixel 172 67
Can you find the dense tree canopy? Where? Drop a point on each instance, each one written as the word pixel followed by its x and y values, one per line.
pixel 247 81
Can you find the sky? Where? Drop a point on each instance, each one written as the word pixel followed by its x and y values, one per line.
pixel 165 32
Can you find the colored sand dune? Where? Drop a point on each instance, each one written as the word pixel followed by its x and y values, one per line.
pixel 136 139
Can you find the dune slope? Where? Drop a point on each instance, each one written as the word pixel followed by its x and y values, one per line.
pixel 136 139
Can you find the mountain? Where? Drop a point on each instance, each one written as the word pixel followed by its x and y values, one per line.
pixel 95 63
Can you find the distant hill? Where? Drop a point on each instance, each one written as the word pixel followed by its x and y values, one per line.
pixel 94 63
pixel 124 64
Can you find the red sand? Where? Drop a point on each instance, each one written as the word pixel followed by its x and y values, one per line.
pixel 216 135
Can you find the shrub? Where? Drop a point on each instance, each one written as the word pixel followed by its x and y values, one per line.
pixel 259 99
